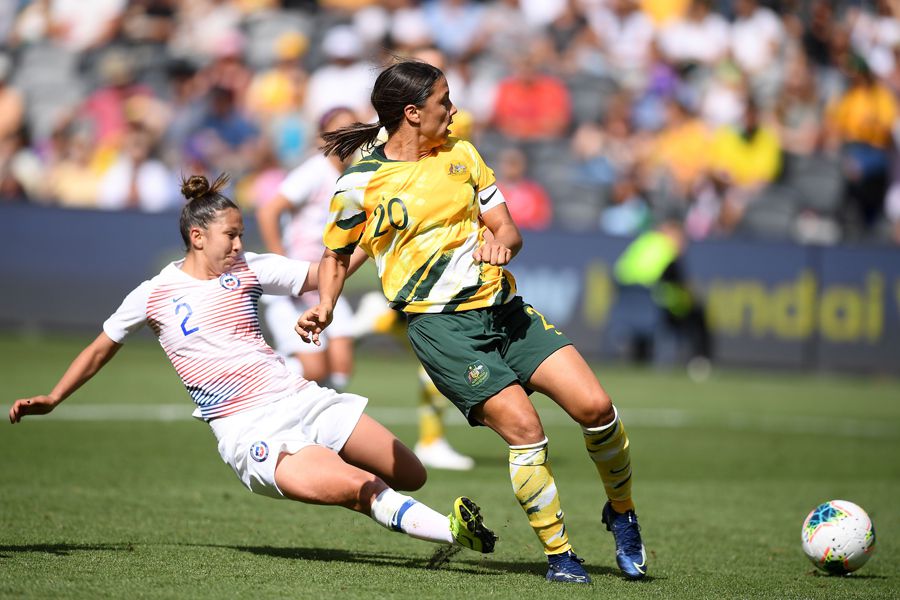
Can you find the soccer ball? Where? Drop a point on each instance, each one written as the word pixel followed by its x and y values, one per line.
pixel 838 537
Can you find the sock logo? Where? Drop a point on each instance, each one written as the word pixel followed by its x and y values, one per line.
pixel 477 373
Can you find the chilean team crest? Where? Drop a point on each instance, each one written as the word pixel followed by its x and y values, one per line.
pixel 477 373
pixel 229 281
pixel 259 451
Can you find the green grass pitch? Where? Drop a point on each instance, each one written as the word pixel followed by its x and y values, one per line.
pixel 120 494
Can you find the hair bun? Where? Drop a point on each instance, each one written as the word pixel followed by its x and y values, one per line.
pixel 196 186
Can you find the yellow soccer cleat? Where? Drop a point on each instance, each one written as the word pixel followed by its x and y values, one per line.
pixel 467 527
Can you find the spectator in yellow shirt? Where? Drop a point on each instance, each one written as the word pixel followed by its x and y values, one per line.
pixel 860 124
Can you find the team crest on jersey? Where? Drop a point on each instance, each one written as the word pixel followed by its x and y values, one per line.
pixel 458 171
pixel 477 373
pixel 229 281
pixel 259 451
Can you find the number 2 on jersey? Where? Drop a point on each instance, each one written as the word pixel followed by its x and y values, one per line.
pixel 184 321
pixel 547 326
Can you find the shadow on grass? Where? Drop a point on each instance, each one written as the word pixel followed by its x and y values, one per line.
pixel 845 577
pixel 61 549
pixel 383 559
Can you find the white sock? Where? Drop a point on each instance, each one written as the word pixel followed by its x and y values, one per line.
pixel 338 381
pixel 397 512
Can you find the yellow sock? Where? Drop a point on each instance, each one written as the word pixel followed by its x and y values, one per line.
pixel 533 485
pixel 431 410
pixel 608 448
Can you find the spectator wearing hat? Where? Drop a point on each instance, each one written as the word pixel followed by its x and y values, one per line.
pixel 344 80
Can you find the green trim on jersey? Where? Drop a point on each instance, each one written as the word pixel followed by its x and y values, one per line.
pixel 351 222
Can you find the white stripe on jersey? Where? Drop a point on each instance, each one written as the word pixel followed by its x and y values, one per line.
pixel 210 331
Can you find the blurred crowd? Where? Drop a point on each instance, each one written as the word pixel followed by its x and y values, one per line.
pixel 775 120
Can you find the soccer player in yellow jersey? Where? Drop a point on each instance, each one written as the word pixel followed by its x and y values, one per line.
pixel 425 207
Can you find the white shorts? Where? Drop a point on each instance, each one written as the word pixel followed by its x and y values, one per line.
pixel 251 441
pixel 281 314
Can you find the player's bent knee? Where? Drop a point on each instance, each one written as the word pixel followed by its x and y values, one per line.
pixel 596 413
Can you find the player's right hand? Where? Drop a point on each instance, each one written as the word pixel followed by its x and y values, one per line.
pixel 311 323
pixel 36 405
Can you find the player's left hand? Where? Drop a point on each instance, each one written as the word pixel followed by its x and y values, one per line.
pixel 36 405
pixel 493 253
pixel 311 323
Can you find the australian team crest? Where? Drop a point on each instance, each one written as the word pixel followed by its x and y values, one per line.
pixel 458 171
pixel 259 451
pixel 477 373
pixel 229 281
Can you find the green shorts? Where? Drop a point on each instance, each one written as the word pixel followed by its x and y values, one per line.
pixel 472 355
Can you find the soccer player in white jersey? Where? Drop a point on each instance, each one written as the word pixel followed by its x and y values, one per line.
pixel 305 197
pixel 283 436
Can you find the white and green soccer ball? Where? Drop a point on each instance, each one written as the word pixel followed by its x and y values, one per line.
pixel 838 537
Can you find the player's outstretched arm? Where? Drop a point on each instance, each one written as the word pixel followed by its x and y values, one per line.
pixel 85 366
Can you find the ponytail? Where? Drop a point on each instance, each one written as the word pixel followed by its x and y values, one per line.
pixel 347 140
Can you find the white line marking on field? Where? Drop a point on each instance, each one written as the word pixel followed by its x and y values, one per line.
pixel 667 418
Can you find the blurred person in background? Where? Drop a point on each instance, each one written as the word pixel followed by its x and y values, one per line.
pixel 227 70
pixel 344 80
pixel 657 316
pixel 279 90
pixel 137 180
pixel 73 179
pixel 106 107
pixel 747 158
pixel 187 106
pixel 12 101
pixel 874 33
pixel 698 39
pixel 628 210
pixel 224 136
pixel 526 199
pixel 678 154
pixel 456 26
pixel 757 41
pixel 861 124
pixel 531 104
pixel 797 109
pixel 625 35
pixel 291 224
pixel 21 170
pixel 203 28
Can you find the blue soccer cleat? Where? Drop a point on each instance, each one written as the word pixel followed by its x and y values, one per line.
pixel 630 554
pixel 566 567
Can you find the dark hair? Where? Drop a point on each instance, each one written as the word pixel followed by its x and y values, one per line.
pixel 403 83
pixel 330 114
pixel 204 203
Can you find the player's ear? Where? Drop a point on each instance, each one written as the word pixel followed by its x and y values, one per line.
pixel 411 112
pixel 196 237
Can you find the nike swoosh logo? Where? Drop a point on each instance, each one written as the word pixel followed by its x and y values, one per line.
pixel 484 201
pixel 178 298
pixel 617 471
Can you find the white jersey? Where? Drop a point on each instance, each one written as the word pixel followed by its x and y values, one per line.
pixel 210 331
pixel 309 189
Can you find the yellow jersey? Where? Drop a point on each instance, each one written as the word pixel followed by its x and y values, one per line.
pixel 420 221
